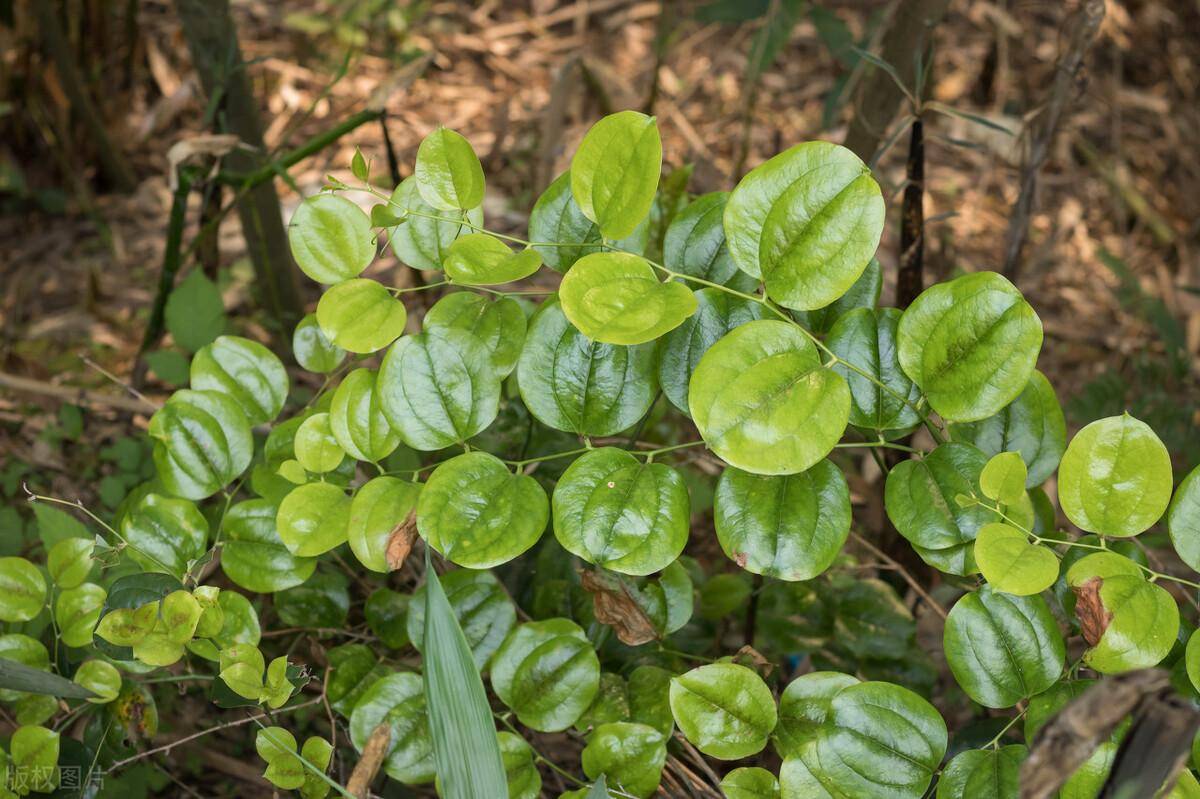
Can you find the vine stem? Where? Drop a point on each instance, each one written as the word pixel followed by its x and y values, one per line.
pixel 995 742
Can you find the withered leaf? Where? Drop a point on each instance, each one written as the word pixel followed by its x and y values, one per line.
pixel 401 540
pixel 616 605
pixel 1093 617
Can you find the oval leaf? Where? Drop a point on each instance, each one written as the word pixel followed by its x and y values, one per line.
pixel 615 172
pixel 617 298
pixel 448 172
pixel 547 672
pixel 331 238
pixel 480 259
pixel 361 315
pixel 726 710
pixel 245 370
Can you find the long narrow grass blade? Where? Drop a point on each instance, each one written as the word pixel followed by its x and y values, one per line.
pixel 19 677
pixel 465 748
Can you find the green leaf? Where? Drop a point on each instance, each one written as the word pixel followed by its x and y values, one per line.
pixel 1129 623
pixel 480 259
pixel 557 218
pixel 695 244
pixel 170 366
pixel 277 746
pixel 1191 659
pixel 789 527
pixel 313 519
pixel 398 700
pixel 22 590
pixel 100 678
pixel 920 500
pixel 804 706
pixel 1011 564
pixel 353 669
pixel 245 370
pixel 1183 520
pixel 1115 478
pixel 55 525
pixel 438 388
pixel 242 668
pixel 386 612
pixel 983 774
pixel 498 322
pixel 807 221
pixel 726 710
pixel 970 344
pixel 547 672
pixel 331 238
pixel 477 513
pixel 617 298
pixel 610 705
pixel 70 561
pixel 466 750
pixel 524 781
pixel 320 601
pixel 722 594
pixel 195 312
pixel 34 751
pixel 620 512
pixel 253 555
pixel 1002 649
pixel 863 294
pixel 313 349
pixel 361 315
pixel 763 401
pixel 481 606
pixel 1031 425
pixel 202 442
pixel 750 782
pixel 379 507
pixel 649 698
pixel 1003 478
pixel 422 242
pixel 317 449
pixel 717 313
pixel 630 755
pixel 77 610
pixel 21 650
pixel 448 173
pixel 615 172
pixel 359 166
pixel 165 534
pixel 580 386
pixel 866 338
pixel 356 419
pixel 318 752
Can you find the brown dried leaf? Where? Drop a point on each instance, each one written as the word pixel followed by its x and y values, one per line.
pixel 401 540
pixel 1093 617
pixel 616 606
pixel 751 657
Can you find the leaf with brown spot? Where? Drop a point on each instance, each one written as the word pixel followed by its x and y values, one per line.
pixel 1093 617
pixel 401 540
pixel 616 605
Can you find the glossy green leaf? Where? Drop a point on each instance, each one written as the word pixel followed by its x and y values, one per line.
pixel 448 173
pixel 353 669
pixel 789 527
pixel 331 238
pixel 356 419
pixel 1003 478
pixel 246 371
pixel 482 608
pixel 547 672
pixel 521 773
pixel 475 511
pixel 202 442
pixel 317 449
pixel 629 756
pixel 726 710
pixel 277 746
pixel 253 555
pixel 399 700
pixel 77 610
pixel 557 218
pixel 438 388
pixel 866 339
pixel 807 221
pixel 22 590
pixel 617 298
pixel 717 313
pixel 481 259
pixel 610 705
pixel 1183 520
pixel 1010 563
pixel 421 241
pixel 1032 425
pixel 863 294
pixel 34 751
pixel 313 519
pixel 313 349
pixel 320 601
pixel 970 344
pixel 165 534
pixel 498 322
pixel 620 512
pixel 1191 659
pixel 1115 478
pixel 242 667
pixel 70 561
pixel 983 774
pixel 101 678
pixel 379 507
pixel 804 706
pixel 763 401
pixel 361 315
pixel 386 612
pixel 615 172
pixel 750 782
pixel 695 244
pixel 1002 648
pixel 580 386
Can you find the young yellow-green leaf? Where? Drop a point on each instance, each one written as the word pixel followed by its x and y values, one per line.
pixel 726 710
pixel 1191 659
pixel 448 173
pixel 164 534
pixel 617 298
pixel 128 626
pixel 807 221
pixel 1002 649
pixel 476 512
pixel 763 401
pixel 245 370
pixel 630 756
pixel 313 519
pixel 615 172
pixel 498 322
pixel 277 689
pixel 547 672
pixel 202 442
pixel 465 748
pixel 1003 478
pixel 983 774
pixel 1011 564
pixel 438 388
pixel 524 781
pixel 1115 478
pixel 618 511
pixel 482 608
pixel 970 344
pixel 318 752
pixel 331 238
pixel 360 315
pixel 34 752
pixel 313 349
pixel 750 782
pixel 101 678
pixel 379 507
pixel 1183 519
pixel 356 419
pixel 253 555
pixel 695 244
pixel 22 590
pixel 789 527
pixel 1032 425
pixel 317 450
pixel 580 386
pixel 480 259
pixel 557 218
pixel 866 338
pixel 241 669
pixel 863 294
pixel 77 610
pixel 179 614
pixel 158 648
pixel 422 241
pixel 277 746
pixel 70 561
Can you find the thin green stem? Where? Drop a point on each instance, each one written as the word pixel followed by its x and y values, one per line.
pixel 995 742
